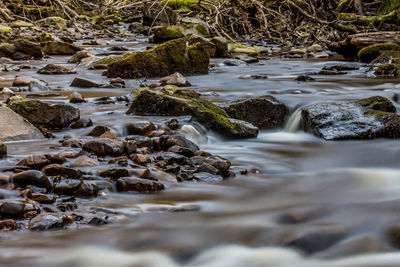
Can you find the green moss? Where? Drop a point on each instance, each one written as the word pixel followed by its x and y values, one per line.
pixel 348 16
pixel 202 30
pixel 182 4
pixel 44 37
pixel 387 56
pixel 389 6
pixel 297 52
pixel 5 29
pixel 106 61
pixel 388 70
pixel 162 34
pixel 162 60
pixel 369 53
pixel 233 46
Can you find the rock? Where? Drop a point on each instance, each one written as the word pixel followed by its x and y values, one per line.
pixel 56 69
pixel 6 93
pixel 29 48
pixel 86 190
pixel 220 163
pixel 162 60
pixel 369 53
pixel 175 79
pixel 177 140
pixel 60 48
pixel 84 83
pixel 53 22
pixel 247 59
pixel 234 62
pixel 66 186
pixel 109 135
pixel 8 225
pixel 155 13
pixel 321 55
pixel 77 58
pixel 207 177
pixel 264 112
pixel 221 46
pixel 98 130
pixel 131 184
pixel 47 221
pixel 388 70
pixel 84 161
pixel 74 142
pixel 16 208
pixel 354 119
pixel 44 114
pixel 37 86
pixel 304 78
pixel 342 67
pixel 43 198
pixel 98 62
pixel 208 168
pixel 181 150
pixel 34 161
pixel 60 170
pixel 76 97
pixel 117 80
pixel 105 146
pixel 15 127
pixel 297 52
pixel 186 102
pixel 140 127
pixel 315 48
pixel 205 43
pixel 23 80
pixel 32 177
pixel 3 148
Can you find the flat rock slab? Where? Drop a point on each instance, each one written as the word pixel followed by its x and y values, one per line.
pixel 15 127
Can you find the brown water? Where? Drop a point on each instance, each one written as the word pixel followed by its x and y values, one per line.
pixel 346 192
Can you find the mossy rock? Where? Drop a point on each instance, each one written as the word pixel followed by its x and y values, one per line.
pixel 205 43
pixel 5 29
pixel 31 48
pixel 181 102
pixel 297 52
pixel 388 70
pixel 162 60
pixel 369 53
pixel 387 57
pixel 167 33
pixel 182 4
pixel 221 46
pixel 53 22
pixel 45 115
pixel 44 37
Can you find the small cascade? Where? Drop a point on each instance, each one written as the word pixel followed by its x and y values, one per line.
pixel 195 133
pixel 293 124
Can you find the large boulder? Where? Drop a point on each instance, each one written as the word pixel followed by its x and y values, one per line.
pixel 59 48
pixel 45 115
pixel 162 60
pixel 15 127
pixel 353 119
pixel 264 112
pixel 369 53
pixel 187 102
pixel 155 14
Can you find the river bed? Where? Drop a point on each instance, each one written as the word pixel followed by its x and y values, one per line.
pixel 341 196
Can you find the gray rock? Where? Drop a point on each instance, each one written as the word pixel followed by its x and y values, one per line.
pixel 56 69
pixel 354 119
pixel 85 83
pixel 15 127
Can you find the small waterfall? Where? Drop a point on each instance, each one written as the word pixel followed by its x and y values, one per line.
pixel 293 124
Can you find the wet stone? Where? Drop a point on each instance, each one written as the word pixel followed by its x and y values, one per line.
pixel 47 221
pixel 56 69
pixel 34 161
pixel 171 158
pixel 85 83
pixel 32 177
pixel 66 187
pixel 98 130
pixel 60 170
pixel 207 177
pixel 16 208
pixel 177 140
pixel 74 142
pixel 175 79
pixel 131 184
pixel 105 146
pixel 208 168
pixel 8 225
pixel 86 190
pixel 304 78
pixel 219 163
pixel 140 127
pixel 43 198
pixel 181 150
pixel 3 148
pixel 82 123
pixel 85 161
pixel 76 97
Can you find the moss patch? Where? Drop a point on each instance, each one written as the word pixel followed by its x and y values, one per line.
pixel 388 70
pixel 369 53
pixel 388 56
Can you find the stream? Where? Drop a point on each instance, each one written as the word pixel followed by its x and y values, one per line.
pixel 337 198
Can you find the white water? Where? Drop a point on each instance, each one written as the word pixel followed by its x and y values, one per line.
pixel 293 123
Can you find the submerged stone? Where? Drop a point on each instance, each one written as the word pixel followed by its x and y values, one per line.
pixel 186 102
pixel 354 119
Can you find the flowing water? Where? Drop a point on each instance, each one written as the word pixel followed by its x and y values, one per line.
pixel 333 200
